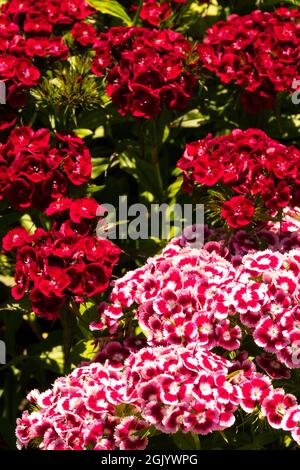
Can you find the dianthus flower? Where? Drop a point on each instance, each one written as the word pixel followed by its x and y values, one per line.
pixel 30 31
pixel 190 295
pixel 156 12
pixel 168 389
pixel 259 52
pixel 249 170
pixel 80 412
pixel 145 69
pixel 66 262
pixel 34 172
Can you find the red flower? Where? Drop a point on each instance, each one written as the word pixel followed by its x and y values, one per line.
pixel 154 13
pixel 85 208
pixel 238 50
pixel 26 73
pixel 95 279
pixel 238 211
pixel 84 33
pixel 47 306
pixel 144 102
pixel 19 193
pixel 208 171
pixel 15 238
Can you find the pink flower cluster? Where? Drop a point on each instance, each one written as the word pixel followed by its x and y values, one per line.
pixel 145 69
pixel 66 262
pixel 80 412
pixel 179 298
pixel 172 388
pixel 250 169
pixel 188 295
pixel 259 52
pixel 179 388
pixel 33 172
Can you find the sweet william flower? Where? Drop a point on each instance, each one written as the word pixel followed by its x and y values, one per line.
pixel 254 392
pixel 84 33
pixel 127 434
pixel 260 74
pixel 37 172
pixel 256 171
pixel 276 405
pixel 238 211
pixel 274 368
pixel 65 261
pixel 145 69
pixel 291 419
pixel 165 388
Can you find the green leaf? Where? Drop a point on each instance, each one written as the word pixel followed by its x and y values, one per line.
pixel 175 188
pixel 92 119
pixel 192 119
pixel 88 311
pixel 93 188
pixel 143 171
pixel 82 133
pixel 112 8
pixel 100 165
pixel 54 359
pixel 189 441
pixel 83 351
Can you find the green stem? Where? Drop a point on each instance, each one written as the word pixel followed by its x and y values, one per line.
pixel 67 324
pixel 138 12
pixel 155 155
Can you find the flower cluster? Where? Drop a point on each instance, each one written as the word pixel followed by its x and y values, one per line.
pixel 145 69
pixel 259 52
pixel 195 295
pixel 80 412
pixel 249 169
pixel 178 388
pixel 171 389
pixel 180 299
pixel 65 263
pixel 41 15
pixel 30 37
pixel 33 172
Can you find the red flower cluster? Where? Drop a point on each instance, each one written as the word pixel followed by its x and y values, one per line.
pixel 248 168
pixel 33 172
pixel 260 52
pixel 42 15
pixel 31 30
pixel 66 262
pixel 145 69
